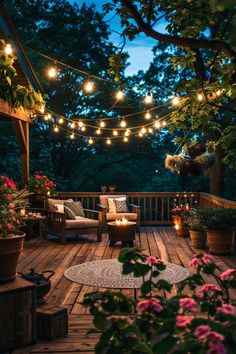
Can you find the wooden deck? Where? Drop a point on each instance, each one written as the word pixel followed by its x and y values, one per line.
pixel 51 255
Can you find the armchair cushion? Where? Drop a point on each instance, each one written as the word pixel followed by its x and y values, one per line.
pixel 81 223
pixel 121 205
pixel 103 198
pixel 69 213
pixel 59 208
pixel 52 202
pixel 118 216
pixel 76 208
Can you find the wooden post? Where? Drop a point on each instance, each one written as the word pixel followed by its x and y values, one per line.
pixel 22 133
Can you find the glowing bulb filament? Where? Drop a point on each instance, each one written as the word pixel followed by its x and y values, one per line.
pixel 119 94
pixel 72 136
pixel 200 97
pixel 90 141
pixel 89 86
pixel 72 125
pixel 98 131
pixel 108 141
pixel 148 98
pixel 123 123
pixel 56 129
pixel 148 115
pixel 157 125
pixel 8 49
pixel 52 72
pixel 175 100
pixel 102 124
pixel 61 120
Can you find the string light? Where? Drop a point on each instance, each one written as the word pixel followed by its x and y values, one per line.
pixel 72 125
pixel 123 123
pixel 48 117
pixel 200 96
pixel 125 139
pixel 120 94
pixel 148 115
pixel 52 72
pixel 143 130
pixel 150 130
pixel 42 109
pixel 98 131
pixel 83 128
pixel 127 132
pixel 102 124
pixel 148 98
pixel 157 125
pixel 164 123
pixel 8 49
pixel 140 134
pixel 115 132
pixel 56 129
pixel 90 141
pixel 108 141
pixel 175 100
pixel 89 86
pixel 72 136
pixel 61 120
pixel 218 93
pixel 80 124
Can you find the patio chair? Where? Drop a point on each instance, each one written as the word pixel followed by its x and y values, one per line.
pixel 59 225
pixel 132 213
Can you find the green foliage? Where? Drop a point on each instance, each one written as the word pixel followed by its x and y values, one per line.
pixel 195 219
pixel 218 219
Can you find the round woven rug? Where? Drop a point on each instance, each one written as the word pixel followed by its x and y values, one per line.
pixel 107 273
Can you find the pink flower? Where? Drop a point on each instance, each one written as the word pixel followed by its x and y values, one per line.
pixel 143 305
pixel 183 321
pixel 12 211
pixel 194 262
pixel 5 185
pixel 207 258
pixel 155 304
pixel 10 226
pixel 153 260
pixel 217 348
pixel 202 332
pixel 209 287
pixel 215 337
pixel 11 205
pixel 227 309
pixel 8 196
pixel 188 304
pixel 228 274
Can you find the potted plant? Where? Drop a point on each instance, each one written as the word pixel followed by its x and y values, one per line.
pixel 219 224
pixel 112 188
pixel 103 189
pixel 42 187
pixel 194 221
pixel 11 238
pixel 178 216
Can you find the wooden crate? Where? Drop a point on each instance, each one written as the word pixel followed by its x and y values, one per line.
pixel 52 322
pixel 17 314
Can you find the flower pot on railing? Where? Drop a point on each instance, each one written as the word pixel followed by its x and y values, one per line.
pixel 112 188
pixel 220 241
pixel 103 189
pixel 198 239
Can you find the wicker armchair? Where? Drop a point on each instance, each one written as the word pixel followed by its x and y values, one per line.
pixel 133 213
pixel 90 224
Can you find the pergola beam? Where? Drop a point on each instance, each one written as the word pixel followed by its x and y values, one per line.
pixel 17 113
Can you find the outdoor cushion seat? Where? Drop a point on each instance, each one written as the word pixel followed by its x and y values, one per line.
pixel 118 216
pixel 81 223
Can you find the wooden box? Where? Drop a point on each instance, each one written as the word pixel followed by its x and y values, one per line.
pixel 17 315
pixel 52 322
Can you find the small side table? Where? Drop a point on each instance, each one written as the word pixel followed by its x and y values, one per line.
pixel 122 232
pixel 42 226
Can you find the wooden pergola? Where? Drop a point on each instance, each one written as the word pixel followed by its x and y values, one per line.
pixel 26 77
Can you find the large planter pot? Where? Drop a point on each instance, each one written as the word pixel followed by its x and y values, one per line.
pixel 198 239
pixel 219 242
pixel 180 226
pixel 10 249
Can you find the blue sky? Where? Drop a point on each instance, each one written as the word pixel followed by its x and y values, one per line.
pixel 139 50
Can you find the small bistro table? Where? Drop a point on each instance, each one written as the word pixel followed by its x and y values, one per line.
pixel 124 232
pixel 41 221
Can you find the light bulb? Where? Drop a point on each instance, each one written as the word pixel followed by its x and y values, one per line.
pixel 72 125
pixel 83 128
pixel 90 141
pixel 80 124
pixel 200 97
pixel 115 132
pixel 148 98
pixel 108 141
pixel 140 134
pixel 123 123
pixel 72 136
pixel 56 129
pixel 48 117
pixel 52 72
pixel 42 109
pixel 148 115
pixel 8 49
pixel 61 120
pixel 175 100
pixel 218 92
pixel 127 132
pixel 164 123
pixel 119 94
pixel 125 139
pixel 102 124
pixel 150 130
pixel 98 131
pixel 89 86
pixel 157 125
pixel 143 130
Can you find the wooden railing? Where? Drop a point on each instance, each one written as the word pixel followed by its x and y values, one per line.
pixel 155 206
pixel 212 201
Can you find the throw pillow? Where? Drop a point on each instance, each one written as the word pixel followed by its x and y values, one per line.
pixel 52 202
pixel 69 213
pixel 121 206
pixel 76 208
pixel 59 208
pixel 112 204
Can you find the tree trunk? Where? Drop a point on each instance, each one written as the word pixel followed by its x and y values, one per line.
pixel 216 175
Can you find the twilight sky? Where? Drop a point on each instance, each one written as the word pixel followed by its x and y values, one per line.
pixel 139 50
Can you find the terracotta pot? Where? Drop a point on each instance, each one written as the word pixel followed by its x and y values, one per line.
pixel 112 189
pixel 10 249
pixel 103 189
pixel 198 238
pixel 219 241
pixel 180 226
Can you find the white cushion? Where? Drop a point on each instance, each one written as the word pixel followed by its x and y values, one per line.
pixel 112 204
pixel 59 208
pixel 103 198
pixel 119 216
pixel 81 223
pixel 52 202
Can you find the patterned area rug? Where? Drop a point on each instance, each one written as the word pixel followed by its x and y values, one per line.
pixel 108 274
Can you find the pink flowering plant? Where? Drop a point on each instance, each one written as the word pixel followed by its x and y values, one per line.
pixel 42 185
pixel 11 201
pixel 199 318
pixel 181 210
